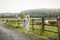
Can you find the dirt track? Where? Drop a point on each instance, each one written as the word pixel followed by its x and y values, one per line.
pixel 7 34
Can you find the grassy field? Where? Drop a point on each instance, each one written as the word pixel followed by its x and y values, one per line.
pixel 37 33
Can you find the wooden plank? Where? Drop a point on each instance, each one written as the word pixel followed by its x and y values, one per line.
pixel 42 24
pixel 58 24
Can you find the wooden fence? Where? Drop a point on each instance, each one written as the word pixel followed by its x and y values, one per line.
pixel 43 24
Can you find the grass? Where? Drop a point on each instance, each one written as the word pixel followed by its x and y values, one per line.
pixel 21 30
pixel 37 33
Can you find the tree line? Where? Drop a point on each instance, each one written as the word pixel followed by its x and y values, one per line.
pixel 37 13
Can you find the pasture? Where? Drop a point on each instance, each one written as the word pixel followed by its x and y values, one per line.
pixel 50 31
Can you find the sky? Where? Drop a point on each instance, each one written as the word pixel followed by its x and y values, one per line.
pixel 16 6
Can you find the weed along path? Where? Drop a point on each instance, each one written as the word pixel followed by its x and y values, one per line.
pixel 7 34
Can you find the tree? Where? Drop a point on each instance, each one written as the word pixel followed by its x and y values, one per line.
pixel 22 15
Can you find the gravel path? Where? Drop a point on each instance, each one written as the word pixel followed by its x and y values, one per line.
pixel 7 34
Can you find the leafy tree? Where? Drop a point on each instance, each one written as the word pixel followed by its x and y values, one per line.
pixel 22 15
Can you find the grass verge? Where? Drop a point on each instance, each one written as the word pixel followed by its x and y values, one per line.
pixel 36 34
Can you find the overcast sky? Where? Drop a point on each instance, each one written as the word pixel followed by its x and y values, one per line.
pixel 20 5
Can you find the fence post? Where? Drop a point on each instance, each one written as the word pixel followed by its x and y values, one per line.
pixel 23 22
pixel 58 24
pixel 32 24
pixel 18 23
pixel 6 21
pixel 42 24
